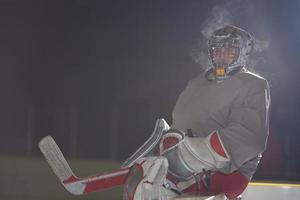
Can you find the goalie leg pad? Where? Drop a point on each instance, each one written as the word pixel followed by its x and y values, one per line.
pixel 207 153
pixel 147 179
pixel 193 155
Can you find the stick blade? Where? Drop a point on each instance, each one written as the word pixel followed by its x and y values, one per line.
pixel 55 158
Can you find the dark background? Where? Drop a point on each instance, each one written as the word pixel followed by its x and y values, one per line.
pixel 97 74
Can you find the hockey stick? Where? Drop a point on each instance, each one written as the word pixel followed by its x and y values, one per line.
pixel 69 180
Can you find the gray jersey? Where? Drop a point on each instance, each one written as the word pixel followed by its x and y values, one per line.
pixel 237 108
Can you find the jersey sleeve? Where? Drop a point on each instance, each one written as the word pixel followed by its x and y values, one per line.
pixel 246 130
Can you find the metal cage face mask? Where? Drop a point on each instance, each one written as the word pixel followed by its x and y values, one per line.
pixel 229 37
pixel 223 57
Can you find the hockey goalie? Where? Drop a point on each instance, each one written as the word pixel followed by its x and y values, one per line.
pixel 215 141
pixel 219 130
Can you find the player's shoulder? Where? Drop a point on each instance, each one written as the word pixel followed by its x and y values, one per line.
pixel 252 78
pixel 197 80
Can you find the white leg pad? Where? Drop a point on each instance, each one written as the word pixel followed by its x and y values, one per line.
pixel 151 186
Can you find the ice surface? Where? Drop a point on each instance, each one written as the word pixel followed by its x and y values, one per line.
pixel 261 191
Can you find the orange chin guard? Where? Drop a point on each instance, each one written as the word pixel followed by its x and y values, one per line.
pixel 220 71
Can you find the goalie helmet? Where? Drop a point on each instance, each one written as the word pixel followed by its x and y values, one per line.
pixel 233 38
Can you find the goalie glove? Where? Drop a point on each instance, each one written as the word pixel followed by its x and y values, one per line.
pixel 170 140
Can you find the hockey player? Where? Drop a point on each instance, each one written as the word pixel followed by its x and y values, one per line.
pixel 219 130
